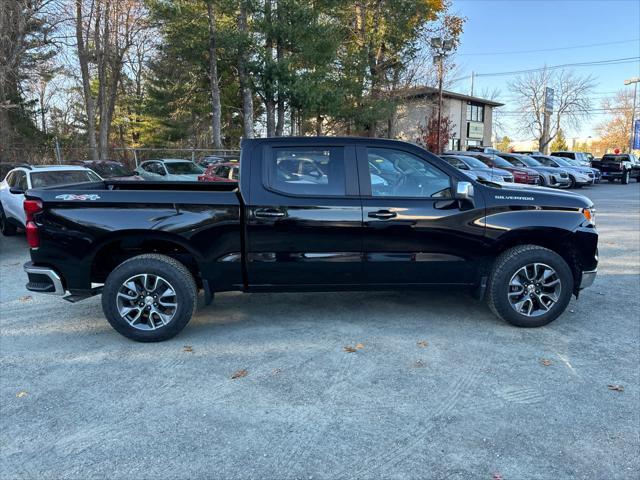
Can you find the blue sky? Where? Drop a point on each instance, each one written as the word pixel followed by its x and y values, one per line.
pixel 515 25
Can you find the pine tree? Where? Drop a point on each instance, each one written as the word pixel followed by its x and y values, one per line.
pixel 559 143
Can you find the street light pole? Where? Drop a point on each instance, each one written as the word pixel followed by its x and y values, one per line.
pixel 633 81
pixel 441 48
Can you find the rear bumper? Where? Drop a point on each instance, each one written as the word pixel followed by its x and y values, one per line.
pixel 43 280
pixel 588 278
pixel 611 174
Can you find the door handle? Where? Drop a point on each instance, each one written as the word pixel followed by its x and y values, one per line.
pixel 383 214
pixel 268 213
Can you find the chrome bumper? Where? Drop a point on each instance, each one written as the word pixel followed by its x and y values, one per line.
pixel 588 278
pixel 43 280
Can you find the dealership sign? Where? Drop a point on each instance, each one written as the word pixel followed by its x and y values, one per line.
pixel 475 130
pixel 636 135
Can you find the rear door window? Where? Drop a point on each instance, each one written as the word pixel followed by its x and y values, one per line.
pixel 317 171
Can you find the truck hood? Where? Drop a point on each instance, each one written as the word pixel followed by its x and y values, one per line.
pixel 540 196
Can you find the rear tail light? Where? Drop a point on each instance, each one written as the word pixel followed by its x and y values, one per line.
pixel 31 207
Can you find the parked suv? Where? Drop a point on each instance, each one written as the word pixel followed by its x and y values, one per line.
pixel 169 169
pixel 22 178
pixel 583 157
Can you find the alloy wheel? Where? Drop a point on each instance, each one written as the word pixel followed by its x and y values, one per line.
pixel 534 289
pixel 147 301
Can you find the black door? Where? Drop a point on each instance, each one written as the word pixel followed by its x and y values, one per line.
pixel 304 217
pixel 415 232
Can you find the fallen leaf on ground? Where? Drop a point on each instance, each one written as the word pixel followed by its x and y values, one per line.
pixel 188 349
pixel 359 346
pixel 239 374
pixel 275 371
pixel 496 476
pixel 349 349
pixel 545 361
pixel 26 298
pixel 21 394
pixel 418 364
pixel 617 388
pixel 422 344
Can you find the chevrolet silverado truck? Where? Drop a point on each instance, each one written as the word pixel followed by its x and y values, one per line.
pixel 310 214
pixel 621 166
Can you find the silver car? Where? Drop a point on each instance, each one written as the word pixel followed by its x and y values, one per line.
pixel 169 169
pixel 578 176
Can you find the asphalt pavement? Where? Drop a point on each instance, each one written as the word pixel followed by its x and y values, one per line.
pixel 330 385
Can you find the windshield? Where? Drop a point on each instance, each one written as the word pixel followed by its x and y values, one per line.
pixel 62 177
pixel 562 162
pixel 614 158
pixel 472 162
pixel 529 161
pixel 108 170
pixel 183 168
pixel 501 162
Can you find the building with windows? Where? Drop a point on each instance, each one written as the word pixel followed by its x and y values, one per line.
pixel 472 117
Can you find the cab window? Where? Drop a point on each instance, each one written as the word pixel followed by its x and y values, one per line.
pixel 396 173
pixel 307 171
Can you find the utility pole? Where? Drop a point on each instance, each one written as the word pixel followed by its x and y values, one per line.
pixel 633 81
pixel 548 110
pixel 441 48
pixel 473 76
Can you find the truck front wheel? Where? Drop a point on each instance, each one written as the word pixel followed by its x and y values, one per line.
pixel 529 286
pixel 149 298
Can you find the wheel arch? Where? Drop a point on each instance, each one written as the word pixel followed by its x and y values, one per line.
pixel 117 248
pixel 557 240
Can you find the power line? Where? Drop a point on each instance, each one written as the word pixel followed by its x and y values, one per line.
pixel 553 49
pixel 613 61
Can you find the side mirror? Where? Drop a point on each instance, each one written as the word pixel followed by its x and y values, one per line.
pixel 16 191
pixel 464 191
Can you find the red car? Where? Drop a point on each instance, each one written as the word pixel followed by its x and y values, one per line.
pixel 221 172
pixel 520 174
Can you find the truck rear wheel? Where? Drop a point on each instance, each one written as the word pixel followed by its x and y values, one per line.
pixel 149 298
pixel 529 286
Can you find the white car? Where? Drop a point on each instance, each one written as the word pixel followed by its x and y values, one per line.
pixel 21 179
pixel 169 169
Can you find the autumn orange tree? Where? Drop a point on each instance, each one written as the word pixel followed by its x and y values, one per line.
pixel 429 133
pixel 616 130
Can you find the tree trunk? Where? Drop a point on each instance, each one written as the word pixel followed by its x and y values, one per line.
pixel 269 102
pixel 245 88
pixel 319 121
pixel 216 109
pixel 279 60
pixel 89 105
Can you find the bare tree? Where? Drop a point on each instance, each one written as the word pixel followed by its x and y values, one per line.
pixel 571 101
pixel 615 131
pixel 105 31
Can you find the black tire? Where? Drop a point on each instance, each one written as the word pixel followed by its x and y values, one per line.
pixel 542 182
pixel 638 178
pixel 572 181
pixel 7 228
pixel 625 177
pixel 181 280
pixel 506 266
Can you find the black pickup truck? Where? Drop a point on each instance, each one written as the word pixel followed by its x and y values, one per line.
pixel 620 166
pixel 310 214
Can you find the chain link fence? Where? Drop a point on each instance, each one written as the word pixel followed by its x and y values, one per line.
pixel 56 154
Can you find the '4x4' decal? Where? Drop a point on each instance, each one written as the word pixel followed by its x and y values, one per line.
pixel 71 196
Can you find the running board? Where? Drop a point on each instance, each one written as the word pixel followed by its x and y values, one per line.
pixel 76 297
